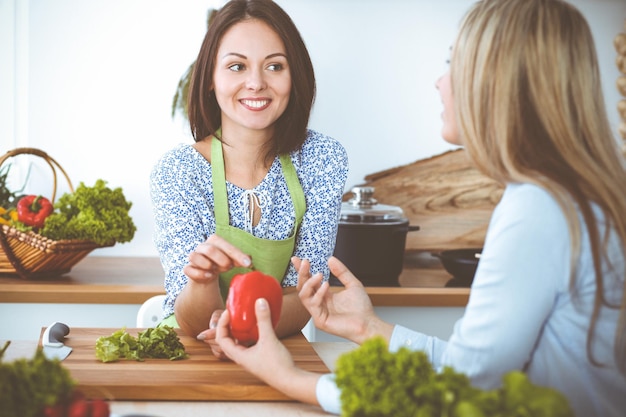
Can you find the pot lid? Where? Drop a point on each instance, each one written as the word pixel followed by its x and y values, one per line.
pixel 364 208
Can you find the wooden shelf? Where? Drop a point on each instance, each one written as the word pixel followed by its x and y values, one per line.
pixel 94 280
pixel 132 280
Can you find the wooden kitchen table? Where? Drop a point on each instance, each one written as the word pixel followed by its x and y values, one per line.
pixel 132 280
pixel 327 351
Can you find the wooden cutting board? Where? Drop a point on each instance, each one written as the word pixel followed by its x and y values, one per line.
pixel 200 377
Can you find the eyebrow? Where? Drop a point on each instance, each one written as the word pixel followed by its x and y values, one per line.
pixel 274 55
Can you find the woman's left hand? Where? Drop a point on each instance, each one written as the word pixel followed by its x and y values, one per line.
pixel 276 357
pixel 208 336
pixel 269 360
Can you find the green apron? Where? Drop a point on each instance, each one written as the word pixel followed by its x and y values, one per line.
pixel 268 256
pixel 271 257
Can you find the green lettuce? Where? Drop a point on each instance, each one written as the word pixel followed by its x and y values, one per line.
pixel 156 343
pixel 97 213
pixel 28 385
pixel 376 382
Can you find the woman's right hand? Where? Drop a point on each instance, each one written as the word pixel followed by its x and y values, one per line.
pixel 201 297
pixel 212 257
pixel 347 313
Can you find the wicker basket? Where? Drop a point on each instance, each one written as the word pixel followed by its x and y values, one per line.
pixel 30 255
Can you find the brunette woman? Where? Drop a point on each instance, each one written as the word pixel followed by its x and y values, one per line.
pixel 258 186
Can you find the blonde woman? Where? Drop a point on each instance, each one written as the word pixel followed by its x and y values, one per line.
pixel 523 96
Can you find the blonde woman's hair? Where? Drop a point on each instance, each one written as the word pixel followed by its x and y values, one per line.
pixel 529 106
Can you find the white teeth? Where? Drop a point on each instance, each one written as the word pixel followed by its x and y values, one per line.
pixel 257 104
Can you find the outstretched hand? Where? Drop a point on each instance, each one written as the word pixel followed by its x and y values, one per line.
pixel 347 313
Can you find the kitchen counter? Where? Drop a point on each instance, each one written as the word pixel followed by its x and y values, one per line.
pixel 327 351
pixel 132 280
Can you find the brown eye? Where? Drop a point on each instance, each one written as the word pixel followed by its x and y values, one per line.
pixel 236 67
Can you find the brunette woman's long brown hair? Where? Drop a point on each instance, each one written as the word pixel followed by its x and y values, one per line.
pixel 530 109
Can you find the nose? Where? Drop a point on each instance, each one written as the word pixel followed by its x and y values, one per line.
pixel 255 80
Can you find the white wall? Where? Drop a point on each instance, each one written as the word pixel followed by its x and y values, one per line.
pixel 91 82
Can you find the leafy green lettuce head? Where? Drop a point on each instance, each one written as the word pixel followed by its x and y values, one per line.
pixel 376 382
pixel 97 213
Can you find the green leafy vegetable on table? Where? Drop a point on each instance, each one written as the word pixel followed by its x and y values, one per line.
pixel 376 382
pixel 159 343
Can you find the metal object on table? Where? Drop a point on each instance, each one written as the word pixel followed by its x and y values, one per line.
pixel 52 341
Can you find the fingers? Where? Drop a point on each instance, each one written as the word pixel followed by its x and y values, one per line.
pixel 215 318
pixel 213 256
pixel 216 244
pixel 264 319
pixel 342 272
pixel 217 350
pixel 296 262
pixel 229 347
pixel 311 289
pixel 222 336
pixel 209 337
pixel 303 266
pixel 211 332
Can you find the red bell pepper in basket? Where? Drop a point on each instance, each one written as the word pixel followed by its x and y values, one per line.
pixel 32 210
pixel 244 290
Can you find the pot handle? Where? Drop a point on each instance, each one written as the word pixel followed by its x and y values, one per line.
pixel 413 228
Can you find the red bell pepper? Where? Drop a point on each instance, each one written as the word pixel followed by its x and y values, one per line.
pixel 32 210
pixel 244 290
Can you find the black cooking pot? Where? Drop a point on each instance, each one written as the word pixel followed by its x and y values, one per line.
pixel 460 263
pixel 371 239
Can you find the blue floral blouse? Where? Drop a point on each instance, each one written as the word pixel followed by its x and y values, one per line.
pixel 182 199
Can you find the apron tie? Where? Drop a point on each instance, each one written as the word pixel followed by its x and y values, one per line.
pixel 251 199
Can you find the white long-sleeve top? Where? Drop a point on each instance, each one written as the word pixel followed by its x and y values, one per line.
pixel 522 315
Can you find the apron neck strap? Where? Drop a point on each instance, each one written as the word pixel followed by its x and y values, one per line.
pixel 218 174
pixel 295 189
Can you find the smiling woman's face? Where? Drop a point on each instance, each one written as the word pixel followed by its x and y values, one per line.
pixel 449 131
pixel 252 80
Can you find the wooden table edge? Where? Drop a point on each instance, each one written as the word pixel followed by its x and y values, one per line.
pixel 78 294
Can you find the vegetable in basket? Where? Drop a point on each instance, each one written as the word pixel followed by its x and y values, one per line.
pixel 97 213
pixel 32 210
pixel 8 198
pixel 8 217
